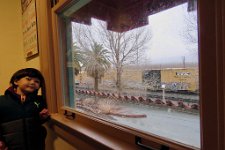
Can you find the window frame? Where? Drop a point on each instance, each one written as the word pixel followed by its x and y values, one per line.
pixel 211 74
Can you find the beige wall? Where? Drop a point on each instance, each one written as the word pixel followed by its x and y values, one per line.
pixel 11 47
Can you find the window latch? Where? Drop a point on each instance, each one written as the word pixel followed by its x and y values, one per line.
pixel 69 115
pixel 138 141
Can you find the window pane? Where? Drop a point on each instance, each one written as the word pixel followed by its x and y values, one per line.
pixel 134 63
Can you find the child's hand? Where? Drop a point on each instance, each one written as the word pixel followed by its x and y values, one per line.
pixel 44 113
pixel 2 146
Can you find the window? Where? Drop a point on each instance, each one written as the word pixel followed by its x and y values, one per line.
pixel 135 64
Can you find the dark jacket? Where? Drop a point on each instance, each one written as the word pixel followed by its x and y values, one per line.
pixel 20 125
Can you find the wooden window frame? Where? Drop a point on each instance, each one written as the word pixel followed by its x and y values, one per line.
pixel 211 74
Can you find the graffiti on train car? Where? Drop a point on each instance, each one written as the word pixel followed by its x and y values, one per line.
pixel 152 78
pixel 174 79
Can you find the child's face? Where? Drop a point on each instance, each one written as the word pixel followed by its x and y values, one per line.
pixel 27 85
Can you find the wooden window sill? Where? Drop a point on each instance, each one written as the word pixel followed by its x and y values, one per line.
pixel 85 133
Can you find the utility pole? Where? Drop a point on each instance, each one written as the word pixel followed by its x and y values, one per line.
pixel 183 60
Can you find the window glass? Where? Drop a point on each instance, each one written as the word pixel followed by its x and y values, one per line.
pixel 134 63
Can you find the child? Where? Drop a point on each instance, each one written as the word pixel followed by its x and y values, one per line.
pixel 22 112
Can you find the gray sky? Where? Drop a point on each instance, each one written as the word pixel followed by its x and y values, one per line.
pixel 168 45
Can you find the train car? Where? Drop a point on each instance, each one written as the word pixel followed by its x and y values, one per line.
pixel 174 79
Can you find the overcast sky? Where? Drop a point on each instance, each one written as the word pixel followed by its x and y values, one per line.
pixel 168 44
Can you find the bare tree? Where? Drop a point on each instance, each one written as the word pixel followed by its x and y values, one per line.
pixel 124 47
pixel 190 33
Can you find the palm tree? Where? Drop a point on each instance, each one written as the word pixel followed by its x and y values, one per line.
pixel 96 62
pixel 77 59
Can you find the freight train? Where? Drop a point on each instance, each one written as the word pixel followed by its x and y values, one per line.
pixel 172 79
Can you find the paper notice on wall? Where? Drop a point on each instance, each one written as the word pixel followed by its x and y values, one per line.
pixel 29 27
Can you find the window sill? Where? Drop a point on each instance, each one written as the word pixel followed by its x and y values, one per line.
pixel 84 136
pixel 85 132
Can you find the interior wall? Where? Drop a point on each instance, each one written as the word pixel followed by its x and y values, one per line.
pixel 11 44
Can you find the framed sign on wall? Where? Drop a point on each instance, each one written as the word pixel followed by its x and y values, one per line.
pixel 29 28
